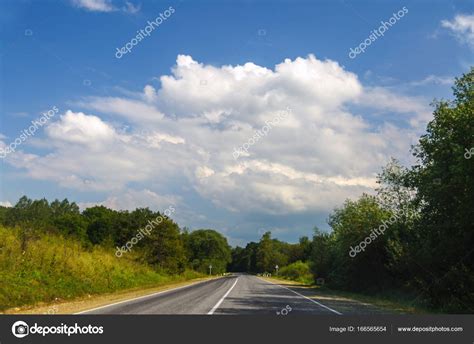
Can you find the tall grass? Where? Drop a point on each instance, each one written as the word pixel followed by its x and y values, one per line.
pixel 49 267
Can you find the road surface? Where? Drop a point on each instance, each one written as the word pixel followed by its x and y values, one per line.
pixel 236 294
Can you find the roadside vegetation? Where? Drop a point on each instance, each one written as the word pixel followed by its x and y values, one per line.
pixel 298 271
pixel 52 251
pixel 51 268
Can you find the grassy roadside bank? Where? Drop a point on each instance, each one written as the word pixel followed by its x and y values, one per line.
pixel 92 301
pixel 49 270
pixel 393 303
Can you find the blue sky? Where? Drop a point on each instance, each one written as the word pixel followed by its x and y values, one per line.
pixel 159 125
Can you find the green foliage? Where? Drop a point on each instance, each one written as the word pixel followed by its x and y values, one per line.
pixel 297 271
pixel 3 214
pixel 267 253
pixel 208 247
pixel 164 248
pixel 321 254
pixel 351 224
pixel 244 259
pixel 72 224
pixel 100 223
pixel 271 253
pixel 50 267
pixel 444 179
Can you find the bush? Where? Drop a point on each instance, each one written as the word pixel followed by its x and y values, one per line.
pixel 298 271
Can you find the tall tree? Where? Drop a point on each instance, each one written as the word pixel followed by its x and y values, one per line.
pixel 208 247
pixel 444 180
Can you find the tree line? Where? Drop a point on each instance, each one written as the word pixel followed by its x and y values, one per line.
pixel 167 247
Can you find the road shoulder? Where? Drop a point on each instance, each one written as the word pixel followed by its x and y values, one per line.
pixel 337 300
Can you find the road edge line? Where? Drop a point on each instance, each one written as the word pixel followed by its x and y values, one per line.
pixel 308 298
pixel 211 312
pixel 145 296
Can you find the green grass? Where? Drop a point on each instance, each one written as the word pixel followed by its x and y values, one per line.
pixel 53 268
pixel 391 300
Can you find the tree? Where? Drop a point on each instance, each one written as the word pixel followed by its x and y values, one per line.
pixel 271 252
pixel 321 254
pixel 356 222
pixel 394 195
pixel 163 247
pixel 298 252
pixel 265 253
pixel 208 247
pixel 250 257
pixel 100 223
pixel 64 207
pixel 30 213
pixel 238 261
pixel 444 180
pixel 72 225
pixel 3 214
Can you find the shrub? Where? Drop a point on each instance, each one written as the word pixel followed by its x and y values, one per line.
pixel 298 271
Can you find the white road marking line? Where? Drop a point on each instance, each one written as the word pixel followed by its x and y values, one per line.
pixel 310 299
pixel 145 296
pixel 223 297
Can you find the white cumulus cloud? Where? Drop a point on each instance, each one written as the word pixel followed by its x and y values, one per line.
pixel 80 128
pixel 132 199
pixel 462 27
pixel 95 5
pixel 182 136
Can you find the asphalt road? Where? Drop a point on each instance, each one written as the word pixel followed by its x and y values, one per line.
pixel 235 294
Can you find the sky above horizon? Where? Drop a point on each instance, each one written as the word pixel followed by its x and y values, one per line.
pixel 156 121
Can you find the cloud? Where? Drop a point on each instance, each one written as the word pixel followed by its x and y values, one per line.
pixel 80 129
pixel 276 188
pixel 388 101
pixel 106 6
pixel 131 8
pixel 95 5
pixel 132 199
pixel 434 79
pixel 5 204
pixel 149 93
pixel 131 109
pixel 182 136
pixel 462 27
